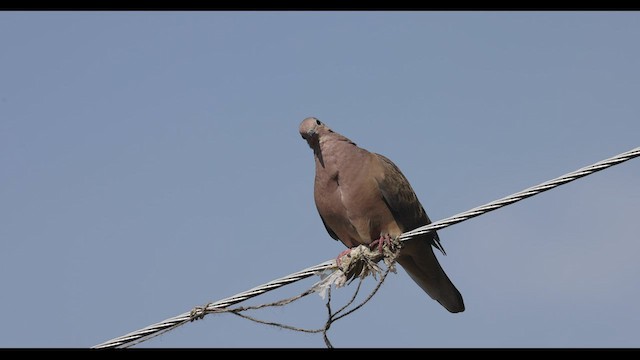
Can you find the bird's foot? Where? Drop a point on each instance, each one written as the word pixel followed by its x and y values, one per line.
pixel 339 257
pixel 384 239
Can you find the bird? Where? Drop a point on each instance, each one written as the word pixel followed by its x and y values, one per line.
pixel 363 198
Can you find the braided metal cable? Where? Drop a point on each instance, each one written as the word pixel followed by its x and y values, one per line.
pixel 534 190
pixel 168 324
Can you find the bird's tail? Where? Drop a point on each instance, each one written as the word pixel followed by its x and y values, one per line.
pixel 418 259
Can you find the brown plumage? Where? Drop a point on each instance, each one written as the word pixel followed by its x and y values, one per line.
pixel 362 196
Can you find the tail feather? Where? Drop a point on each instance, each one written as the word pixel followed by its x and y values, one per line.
pixel 418 259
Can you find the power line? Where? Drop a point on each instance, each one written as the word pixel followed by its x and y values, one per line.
pixel 534 190
pixel 150 331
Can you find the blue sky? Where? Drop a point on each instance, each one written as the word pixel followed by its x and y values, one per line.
pixel 151 162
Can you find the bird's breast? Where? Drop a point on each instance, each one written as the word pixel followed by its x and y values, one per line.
pixel 349 200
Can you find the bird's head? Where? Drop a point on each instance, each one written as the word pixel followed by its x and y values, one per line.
pixel 311 129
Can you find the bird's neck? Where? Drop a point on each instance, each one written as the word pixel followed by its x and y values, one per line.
pixel 334 152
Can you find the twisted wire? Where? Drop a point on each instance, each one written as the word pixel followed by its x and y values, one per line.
pixel 168 324
pixel 534 190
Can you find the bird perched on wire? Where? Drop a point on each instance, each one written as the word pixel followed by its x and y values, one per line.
pixel 364 199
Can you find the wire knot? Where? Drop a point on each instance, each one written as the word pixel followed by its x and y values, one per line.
pixel 198 312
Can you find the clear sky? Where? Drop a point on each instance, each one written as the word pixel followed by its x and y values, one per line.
pixel 150 162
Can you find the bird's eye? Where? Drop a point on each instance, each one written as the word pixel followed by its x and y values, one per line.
pixel 318 122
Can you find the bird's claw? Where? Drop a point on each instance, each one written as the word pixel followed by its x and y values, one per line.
pixel 384 239
pixel 339 257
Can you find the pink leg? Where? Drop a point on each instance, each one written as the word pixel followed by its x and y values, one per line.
pixel 384 239
pixel 339 258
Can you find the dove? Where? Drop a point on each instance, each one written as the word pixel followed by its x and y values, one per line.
pixel 364 199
